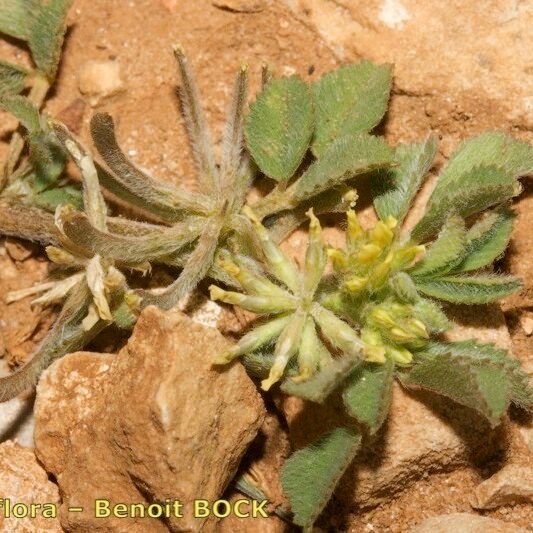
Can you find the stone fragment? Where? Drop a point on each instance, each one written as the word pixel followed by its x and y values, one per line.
pixel 241 6
pixel 23 481
pixel 99 79
pixel 19 250
pixel 512 484
pixel 154 422
pixel 17 421
pixel 465 523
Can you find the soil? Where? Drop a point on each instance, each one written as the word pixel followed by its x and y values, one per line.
pixel 218 36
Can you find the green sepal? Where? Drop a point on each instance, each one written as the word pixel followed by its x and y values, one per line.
pixel 309 475
pixel 475 289
pixel 367 394
pixel 349 100
pixel 394 189
pixel 279 127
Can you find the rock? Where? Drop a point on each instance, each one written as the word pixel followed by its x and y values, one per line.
pixel 478 83
pixel 151 423
pixel 424 434
pixel 465 523
pixel 512 484
pixel 100 79
pixel 19 250
pixel 17 421
pixel 23 480
pixel 241 6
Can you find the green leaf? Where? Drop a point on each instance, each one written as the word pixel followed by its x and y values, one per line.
pixel 47 33
pixel 394 189
pixel 368 392
pixel 479 289
pixel 481 188
pixel 478 376
pixel 23 110
pixel 487 240
pixel 322 384
pixel 446 252
pixel 346 157
pixel 12 78
pixel 488 149
pixel 47 156
pixel 352 99
pixel 521 393
pixel 52 198
pixel 310 475
pixel 279 127
pixel 16 17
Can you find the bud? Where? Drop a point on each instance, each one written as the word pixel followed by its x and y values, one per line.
pixel 417 327
pixel 355 284
pixel 399 355
pixel 338 258
pixel 282 267
pixel 400 335
pixel 256 304
pixel 355 231
pixel 368 253
pixel 381 234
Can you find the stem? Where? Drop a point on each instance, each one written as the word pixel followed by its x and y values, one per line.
pixel 37 94
pixel 277 200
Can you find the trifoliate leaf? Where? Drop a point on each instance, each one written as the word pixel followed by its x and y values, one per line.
pixel 479 189
pixel 310 475
pixel 395 188
pixel 446 252
pixel 521 392
pixel 488 149
pixel 487 240
pixel 12 78
pixel 352 99
pixel 16 17
pixel 46 36
pixel 480 289
pixel 479 376
pixel 345 157
pixel 322 384
pixel 367 393
pixel 279 127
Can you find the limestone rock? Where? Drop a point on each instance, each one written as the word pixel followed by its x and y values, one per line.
pixel 151 423
pixel 23 480
pixel 100 79
pixel 465 523
pixel 512 484
pixel 453 81
pixel 17 421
